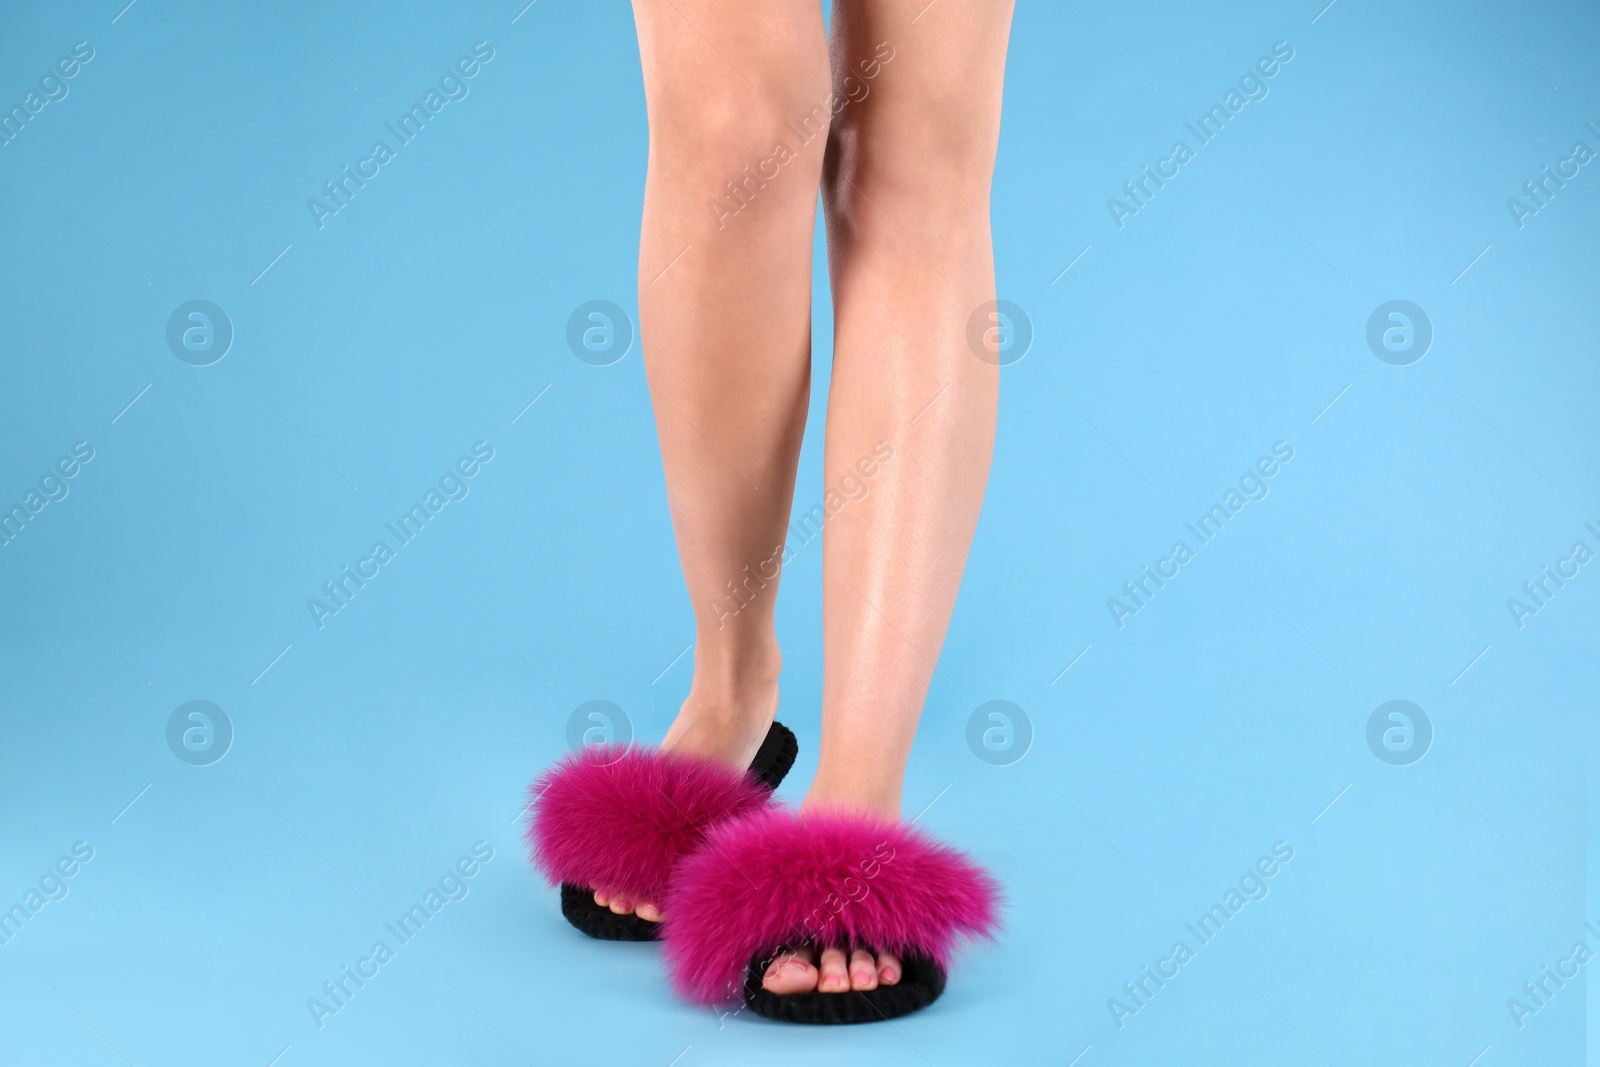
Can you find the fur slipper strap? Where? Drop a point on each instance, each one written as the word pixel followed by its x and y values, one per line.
pixel 776 879
pixel 622 818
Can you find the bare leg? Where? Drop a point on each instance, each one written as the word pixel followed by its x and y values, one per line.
pixel 906 191
pixel 725 320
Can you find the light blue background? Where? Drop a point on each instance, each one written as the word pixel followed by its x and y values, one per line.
pixel 424 317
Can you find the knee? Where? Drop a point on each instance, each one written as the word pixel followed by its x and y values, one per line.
pixel 931 153
pixel 741 135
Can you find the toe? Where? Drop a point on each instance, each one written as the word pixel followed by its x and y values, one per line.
pixel 791 972
pixel 602 898
pixel 621 905
pixel 648 912
pixel 863 970
pixel 888 968
pixel 834 978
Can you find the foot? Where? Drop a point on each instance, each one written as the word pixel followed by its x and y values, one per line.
pixel 801 971
pixel 728 731
pixel 835 971
pixel 622 904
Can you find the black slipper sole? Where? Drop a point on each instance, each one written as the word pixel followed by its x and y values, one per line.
pixel 921 982
pixel 773 761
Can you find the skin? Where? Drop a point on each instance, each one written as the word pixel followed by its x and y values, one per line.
pixel 904 174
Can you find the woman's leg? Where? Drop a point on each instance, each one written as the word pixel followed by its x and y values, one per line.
pixel 906 194
pixel 725 321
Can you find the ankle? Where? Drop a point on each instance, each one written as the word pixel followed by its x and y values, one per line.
pixel 730 707
pixel 730 731
pixel 858 792
pixel 731 710
pixel 732 683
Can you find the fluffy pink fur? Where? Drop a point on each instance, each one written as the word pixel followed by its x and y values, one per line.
pixel 776 878
pixel 621 821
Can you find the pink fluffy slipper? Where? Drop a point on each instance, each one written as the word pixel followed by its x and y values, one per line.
pixel 622 819
pixel 775 879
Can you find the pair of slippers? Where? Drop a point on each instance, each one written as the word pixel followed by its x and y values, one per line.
pixel 741 879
